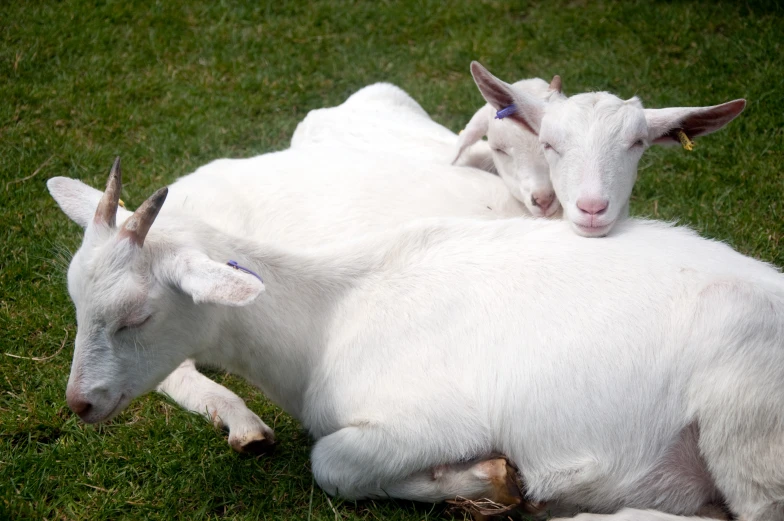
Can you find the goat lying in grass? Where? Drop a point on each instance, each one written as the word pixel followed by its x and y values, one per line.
pixel 312 193
pixel 643 370
pixel 592 143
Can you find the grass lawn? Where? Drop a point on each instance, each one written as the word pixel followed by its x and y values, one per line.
pixel 173 85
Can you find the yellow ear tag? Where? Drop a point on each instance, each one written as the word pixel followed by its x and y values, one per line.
pixel 122 203
pixel 460 132
pixel 687 143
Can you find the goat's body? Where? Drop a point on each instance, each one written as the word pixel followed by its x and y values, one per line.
pixel 470 338
pixel 321 192
pixel 382 118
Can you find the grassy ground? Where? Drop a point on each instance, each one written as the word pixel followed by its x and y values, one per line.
pixel 172 85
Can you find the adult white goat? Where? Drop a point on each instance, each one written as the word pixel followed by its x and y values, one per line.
pixel 593 142
pixel 641 371
pixel 515 153
pixel 317 191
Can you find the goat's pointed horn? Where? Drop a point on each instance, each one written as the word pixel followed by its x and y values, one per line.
pixel 555 83
pixel 138 224
pixel 106 213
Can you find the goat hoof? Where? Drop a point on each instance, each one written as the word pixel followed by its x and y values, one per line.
pixel 257 443
pixel 504 487
pixel 507 488
pixel 261 447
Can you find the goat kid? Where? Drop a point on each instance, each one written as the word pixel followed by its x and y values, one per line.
pixel 593 142
pixel 640 371
pixel 515 153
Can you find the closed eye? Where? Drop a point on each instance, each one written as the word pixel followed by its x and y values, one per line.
pixel 548 146
pixel 501 151
pixel 136 325
pixel 638 143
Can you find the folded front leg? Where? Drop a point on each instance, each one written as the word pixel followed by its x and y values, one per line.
pixel 197 393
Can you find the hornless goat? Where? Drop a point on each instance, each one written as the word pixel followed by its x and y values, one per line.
pixel 514 152
pixel 594 141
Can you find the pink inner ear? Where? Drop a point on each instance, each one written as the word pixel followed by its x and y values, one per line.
pixel 705 121
pixel 520 120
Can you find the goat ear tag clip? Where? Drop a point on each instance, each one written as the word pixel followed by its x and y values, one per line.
pixel 686 143
pixel 505 112
pixel 236 266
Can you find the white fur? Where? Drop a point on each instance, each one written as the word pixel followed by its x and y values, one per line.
pixel 587 362
pixel 593 143
pixel 514 152
pixel 383 118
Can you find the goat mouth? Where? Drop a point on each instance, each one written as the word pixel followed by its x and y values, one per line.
pixel 593 230
pixel 118 407
pixel 552 209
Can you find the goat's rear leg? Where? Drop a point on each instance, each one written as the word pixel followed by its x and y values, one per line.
pixel 368 463
pixel 197 393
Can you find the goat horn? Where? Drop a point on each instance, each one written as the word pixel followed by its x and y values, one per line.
pixel 106 213
pixel 138 224
pixel 555 83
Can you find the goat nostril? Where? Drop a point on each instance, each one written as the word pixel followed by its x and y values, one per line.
pixel 543 201
pixel 592 206
pixel 79 406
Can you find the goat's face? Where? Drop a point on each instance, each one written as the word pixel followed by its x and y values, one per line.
pixel 516 153
pixel 125 342
pixel 521 163
pixel 593 143
pixel 136 299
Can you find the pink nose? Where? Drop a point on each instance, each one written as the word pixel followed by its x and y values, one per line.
pixel 77 403
pixel 592 206
pixel 543 200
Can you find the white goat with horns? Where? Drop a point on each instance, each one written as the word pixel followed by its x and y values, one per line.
pixel 640 371
pixel 320 190
pixel 592 142
pixel 373 162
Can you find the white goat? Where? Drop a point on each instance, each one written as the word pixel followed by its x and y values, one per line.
pixel 643 370
pixel 515 151
pixel 593 142
pixel 319 191
pixel 383 117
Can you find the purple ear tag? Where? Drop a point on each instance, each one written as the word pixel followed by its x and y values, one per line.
pixel 505 112
pixel 236 266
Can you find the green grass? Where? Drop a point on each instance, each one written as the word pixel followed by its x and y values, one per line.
pixel 172 85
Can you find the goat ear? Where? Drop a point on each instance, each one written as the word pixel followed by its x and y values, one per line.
pixel 529 110
pixel 474 131
pixel 77 200
pixel 664 124
pixel 210 282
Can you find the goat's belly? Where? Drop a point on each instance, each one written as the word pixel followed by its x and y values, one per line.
pixel 680 482
pixel 677 482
